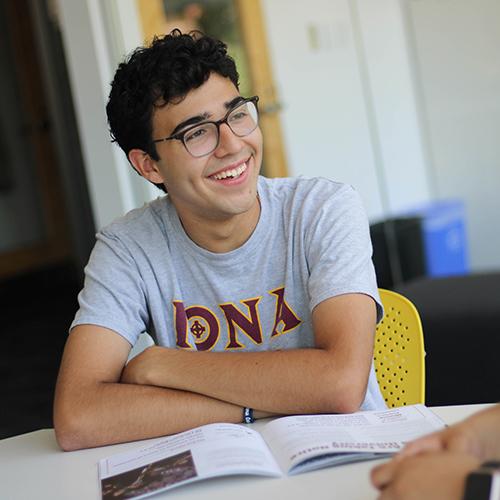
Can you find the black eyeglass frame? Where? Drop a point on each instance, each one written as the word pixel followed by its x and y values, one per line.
pixel 179 136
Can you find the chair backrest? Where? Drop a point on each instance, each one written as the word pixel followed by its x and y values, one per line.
pixel 399 352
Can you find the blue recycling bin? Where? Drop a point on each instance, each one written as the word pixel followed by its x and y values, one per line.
pixel 444 237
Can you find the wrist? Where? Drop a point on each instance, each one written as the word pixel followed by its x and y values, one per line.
pixel 483 483
pixel 257 414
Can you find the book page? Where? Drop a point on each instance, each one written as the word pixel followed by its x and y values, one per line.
pixel 207 451
pixel 294 440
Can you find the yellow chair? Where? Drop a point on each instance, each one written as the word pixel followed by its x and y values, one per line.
pixel 399 352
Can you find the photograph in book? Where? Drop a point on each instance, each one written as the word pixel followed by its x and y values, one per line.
pixel 150 478
pixel 284 446
pixel 213 450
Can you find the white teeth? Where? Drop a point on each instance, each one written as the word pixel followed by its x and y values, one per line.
pixel 235 172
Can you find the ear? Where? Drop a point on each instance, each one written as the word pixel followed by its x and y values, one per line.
pixel 145 165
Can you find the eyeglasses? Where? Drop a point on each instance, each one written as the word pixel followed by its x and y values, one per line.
pixel 203 138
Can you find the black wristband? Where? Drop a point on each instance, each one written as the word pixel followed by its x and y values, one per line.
pixel 248 416
pixel 483 483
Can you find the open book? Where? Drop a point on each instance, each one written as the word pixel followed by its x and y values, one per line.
pixel 287 445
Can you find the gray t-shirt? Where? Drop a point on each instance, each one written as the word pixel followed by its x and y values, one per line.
pixel 311 243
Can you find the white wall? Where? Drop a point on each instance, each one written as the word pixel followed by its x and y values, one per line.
pixel 96 36
pixel 343 73
pixel 458 48
pixel 388 58
pixel 325 124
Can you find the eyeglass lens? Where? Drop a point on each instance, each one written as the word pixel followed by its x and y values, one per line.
pixel 202 140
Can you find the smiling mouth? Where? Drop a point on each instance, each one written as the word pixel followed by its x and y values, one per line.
pixel 232 173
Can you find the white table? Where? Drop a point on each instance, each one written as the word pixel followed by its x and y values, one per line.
pixel 33 467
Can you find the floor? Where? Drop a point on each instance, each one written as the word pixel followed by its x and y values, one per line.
pixel 37 310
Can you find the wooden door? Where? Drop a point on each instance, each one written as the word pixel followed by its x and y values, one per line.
pixel 240 24
pixel 33 224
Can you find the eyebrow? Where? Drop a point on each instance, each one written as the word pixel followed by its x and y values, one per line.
pixel 205 116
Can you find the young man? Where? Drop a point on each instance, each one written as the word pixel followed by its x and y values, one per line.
pixel 260 294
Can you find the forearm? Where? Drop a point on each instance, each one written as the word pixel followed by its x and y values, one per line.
pixel 109 413
pixel 95 406
pixel 331 377
pixel 476 436
pixel 293 381
pixel 484 426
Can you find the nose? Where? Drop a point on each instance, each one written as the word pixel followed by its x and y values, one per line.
pixel 229 142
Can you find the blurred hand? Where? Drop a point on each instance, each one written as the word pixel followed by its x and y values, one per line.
pixel 459 438
pixel 430 476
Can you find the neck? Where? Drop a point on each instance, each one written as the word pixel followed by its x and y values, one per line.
pixel 222 235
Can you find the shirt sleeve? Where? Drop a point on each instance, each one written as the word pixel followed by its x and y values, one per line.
pixel 338 247
pixel 113 295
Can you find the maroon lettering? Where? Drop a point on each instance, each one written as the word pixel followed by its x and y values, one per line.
pixel 180 325
pixel 284 314
pixel 249 326
pixel 204 326
pixel 201 326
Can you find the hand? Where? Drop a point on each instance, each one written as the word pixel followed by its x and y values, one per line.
pixel 457 438
pixel 148 366
pixel 433 476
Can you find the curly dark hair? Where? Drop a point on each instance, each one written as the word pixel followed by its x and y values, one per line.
pixel 156 75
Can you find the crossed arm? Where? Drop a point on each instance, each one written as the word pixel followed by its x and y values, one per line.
pixel 101 401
